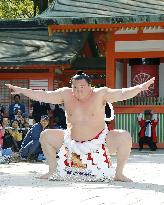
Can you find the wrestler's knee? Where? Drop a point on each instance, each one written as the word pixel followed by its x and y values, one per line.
pixel 120 137
pixel 126 137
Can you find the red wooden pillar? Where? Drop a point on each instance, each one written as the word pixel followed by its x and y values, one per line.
pixel 110 67
pixel 51 79
pixel 110 63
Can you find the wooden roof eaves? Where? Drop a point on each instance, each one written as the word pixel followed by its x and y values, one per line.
pixel 102 19
pixel 102 27
pixel 39 22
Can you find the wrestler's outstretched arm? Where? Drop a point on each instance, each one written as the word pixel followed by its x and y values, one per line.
pixel 114 95
pixel 54 97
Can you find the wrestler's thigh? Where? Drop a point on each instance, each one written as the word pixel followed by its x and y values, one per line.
pixel 117 138
pixel 53 137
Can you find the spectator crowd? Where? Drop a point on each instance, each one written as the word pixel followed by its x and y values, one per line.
pixel 20 133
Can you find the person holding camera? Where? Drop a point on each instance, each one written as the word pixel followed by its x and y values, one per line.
pixel 147 133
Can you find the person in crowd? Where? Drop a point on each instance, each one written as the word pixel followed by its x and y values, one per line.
pixel 31 148
pixel 53 121
pixel 16 105
pixel 6 122
pixel 16 133
pixel 39 109
pixel 1 134
pixel 25 128
pixel 86 132
pixel 147 133
pixel 59 115
pixel 26 118
pixel 2 112
pixel 9 141
pixel 19 117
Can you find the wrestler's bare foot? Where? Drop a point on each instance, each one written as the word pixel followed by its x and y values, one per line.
pixel 44 176
pixel 122 178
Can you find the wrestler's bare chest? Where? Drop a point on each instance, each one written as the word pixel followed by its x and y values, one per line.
pixel 86 118
pixel 84 110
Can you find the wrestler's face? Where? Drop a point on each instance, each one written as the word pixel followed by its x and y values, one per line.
pixel 81 89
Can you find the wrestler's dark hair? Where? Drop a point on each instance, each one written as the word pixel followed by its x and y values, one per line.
pixel 80 75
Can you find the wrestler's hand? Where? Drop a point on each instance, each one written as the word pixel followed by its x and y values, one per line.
pixel 14 89
pixel 146 85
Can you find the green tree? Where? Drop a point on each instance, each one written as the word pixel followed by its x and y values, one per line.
pixel 14 9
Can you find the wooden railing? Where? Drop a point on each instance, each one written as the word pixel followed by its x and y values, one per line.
pixel 142 101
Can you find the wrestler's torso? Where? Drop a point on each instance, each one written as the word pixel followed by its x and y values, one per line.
pixel 85 119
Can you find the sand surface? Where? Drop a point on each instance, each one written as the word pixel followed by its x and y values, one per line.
pixel 19 185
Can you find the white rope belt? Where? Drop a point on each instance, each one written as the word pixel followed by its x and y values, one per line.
pixel 85 147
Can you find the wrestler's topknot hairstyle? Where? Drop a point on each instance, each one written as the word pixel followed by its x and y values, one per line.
pixel 80 75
